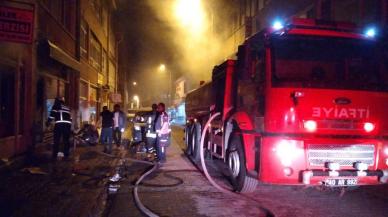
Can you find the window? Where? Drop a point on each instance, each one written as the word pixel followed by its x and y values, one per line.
pixel 332 63
pixel 84 39
pixel 63 11
pixel 95 52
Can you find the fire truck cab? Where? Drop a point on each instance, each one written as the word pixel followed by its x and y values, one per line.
pixel 304 103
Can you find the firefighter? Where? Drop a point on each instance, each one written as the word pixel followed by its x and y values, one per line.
pixel 61 115
pixel 150 131
pixel 162 128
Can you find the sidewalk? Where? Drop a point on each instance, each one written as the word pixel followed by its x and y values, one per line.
pixel 74 188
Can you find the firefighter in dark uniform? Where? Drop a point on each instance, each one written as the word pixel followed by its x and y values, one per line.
pixel 61 115
pixel 162 128
pixel 150 131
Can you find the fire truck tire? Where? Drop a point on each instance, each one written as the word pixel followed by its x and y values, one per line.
pixel 236 161
pixel 188 140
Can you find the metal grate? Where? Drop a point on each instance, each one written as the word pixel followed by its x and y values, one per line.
pixel 345 155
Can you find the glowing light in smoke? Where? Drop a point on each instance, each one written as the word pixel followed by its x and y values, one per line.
pixel 190 14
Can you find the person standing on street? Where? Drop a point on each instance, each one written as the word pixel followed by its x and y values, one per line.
pixel 150 130
pixel 61 115
pixel 119 124
pixel 162 128
pixel 106 129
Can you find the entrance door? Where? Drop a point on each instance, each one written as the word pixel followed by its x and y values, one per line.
pixel 7 101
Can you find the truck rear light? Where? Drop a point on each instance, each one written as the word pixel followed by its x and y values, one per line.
pixel 288 150
pixel 369 127
pixel 310 125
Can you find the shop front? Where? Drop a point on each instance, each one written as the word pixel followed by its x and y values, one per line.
pixel 16 77
pixel 58 76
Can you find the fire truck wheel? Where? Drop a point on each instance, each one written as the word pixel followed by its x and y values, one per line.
pixel 188 141
pixel 236 162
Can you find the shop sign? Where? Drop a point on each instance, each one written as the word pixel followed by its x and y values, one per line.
pixel 16 24
pixel 100 78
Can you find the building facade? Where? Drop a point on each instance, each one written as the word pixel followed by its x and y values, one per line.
pixel 98 58
pixel 17 73
pixel 48 49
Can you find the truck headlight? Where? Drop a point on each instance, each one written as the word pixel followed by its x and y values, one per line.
pixel 310 125
pixel 288 150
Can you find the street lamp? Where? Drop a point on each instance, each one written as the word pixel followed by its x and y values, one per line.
pixel 190 14
pixel 162 68
pixel 137 100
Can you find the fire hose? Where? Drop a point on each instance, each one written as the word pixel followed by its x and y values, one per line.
pixel 138 202
pixel 203 164
pixel 209 178
pixel 154 168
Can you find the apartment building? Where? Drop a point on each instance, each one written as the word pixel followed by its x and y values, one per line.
pixel 51 48
pixel 98 52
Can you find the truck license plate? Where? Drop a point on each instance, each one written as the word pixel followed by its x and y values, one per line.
pixel 341 182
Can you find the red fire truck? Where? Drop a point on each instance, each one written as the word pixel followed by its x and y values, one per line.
pixel 304 103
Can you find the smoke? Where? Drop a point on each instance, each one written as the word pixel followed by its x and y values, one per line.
pixel 196 47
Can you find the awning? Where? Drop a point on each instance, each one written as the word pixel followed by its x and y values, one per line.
pixel 59 55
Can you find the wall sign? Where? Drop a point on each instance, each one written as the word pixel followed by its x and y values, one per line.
pixel 16 24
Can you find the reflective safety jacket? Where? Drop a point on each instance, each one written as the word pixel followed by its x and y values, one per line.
pixel 151 118
pixel 60 115
pixel 162 124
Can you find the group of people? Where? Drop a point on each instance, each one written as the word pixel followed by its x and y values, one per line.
pixel 113 125
pixel 158 131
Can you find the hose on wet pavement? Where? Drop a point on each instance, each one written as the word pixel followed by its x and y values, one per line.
pixel 207 175
pixel 138 202
pixel 148 172
pixel 202 157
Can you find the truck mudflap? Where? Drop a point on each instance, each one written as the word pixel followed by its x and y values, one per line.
pixel 344 176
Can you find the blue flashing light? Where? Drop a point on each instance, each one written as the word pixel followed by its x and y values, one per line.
pixel 277 25
pixel 370 32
